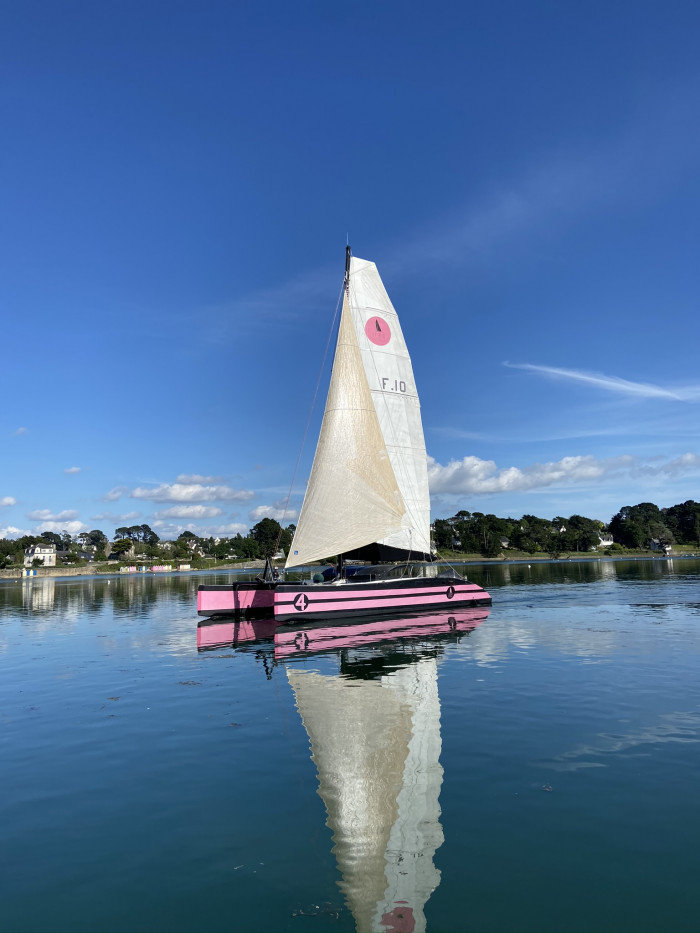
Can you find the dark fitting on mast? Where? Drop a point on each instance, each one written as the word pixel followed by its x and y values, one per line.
pixel 348 254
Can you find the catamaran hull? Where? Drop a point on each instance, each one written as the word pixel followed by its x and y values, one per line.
pixel 296 603
pixel 249 600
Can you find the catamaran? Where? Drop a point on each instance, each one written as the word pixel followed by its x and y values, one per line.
pixel 367 498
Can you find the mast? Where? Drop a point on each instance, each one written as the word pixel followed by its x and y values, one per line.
pixel 348 254
pixel 346 285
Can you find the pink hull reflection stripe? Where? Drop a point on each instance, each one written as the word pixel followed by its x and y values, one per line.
pixel 210 636
pixel 291 641
pixel 234 600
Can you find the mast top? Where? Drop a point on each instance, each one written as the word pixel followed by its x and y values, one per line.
pixel 348 254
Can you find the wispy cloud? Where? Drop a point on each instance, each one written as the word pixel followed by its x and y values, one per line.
pixel 114 494
pixel 615 384
pixel 661 142
pixel 72 469
pixel 19 431
pixel 72 527
pixel 472 475
pixel 7 501
pixel 189 511
pixel 188 478
pixel 191 492
pixel 276 511
pixel 12 532
pixel 308 291
pixel 41 515
pixel 170 530
pixel 115 518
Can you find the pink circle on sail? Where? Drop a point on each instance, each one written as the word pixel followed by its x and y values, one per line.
pixel 377 331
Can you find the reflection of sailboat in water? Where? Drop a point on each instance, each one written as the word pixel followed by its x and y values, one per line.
pixel 376 746
pixel 374 733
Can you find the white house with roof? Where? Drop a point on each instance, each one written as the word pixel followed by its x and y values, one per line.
pixel 42 551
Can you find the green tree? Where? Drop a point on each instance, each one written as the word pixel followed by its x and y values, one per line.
pixel 122 546
pixel 635 525
pixel 267 534
pixel 98 539
pixel 52 538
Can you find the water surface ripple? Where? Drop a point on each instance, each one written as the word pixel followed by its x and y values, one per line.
pixel 534 767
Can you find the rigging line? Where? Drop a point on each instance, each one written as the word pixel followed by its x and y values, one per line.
pixel 311 409
pixel 406 476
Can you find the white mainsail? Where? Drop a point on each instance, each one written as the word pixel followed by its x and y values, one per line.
pixel 376 746
pixel 369 480
pixel 390 377
pixel 352 497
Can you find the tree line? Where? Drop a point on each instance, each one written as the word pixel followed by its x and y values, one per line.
pixel 140 542
pixel 633 527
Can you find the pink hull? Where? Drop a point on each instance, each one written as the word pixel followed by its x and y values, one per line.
pixel 294 604
pixel 235 599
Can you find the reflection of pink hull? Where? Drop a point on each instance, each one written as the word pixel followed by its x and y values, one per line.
pixel 296 603
pixel 253 599
pixel 317 637
pixel 221 634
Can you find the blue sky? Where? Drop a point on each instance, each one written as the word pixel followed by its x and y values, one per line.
pixel 177 181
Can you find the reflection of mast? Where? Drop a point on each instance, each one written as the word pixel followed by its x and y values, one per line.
pixel 376 746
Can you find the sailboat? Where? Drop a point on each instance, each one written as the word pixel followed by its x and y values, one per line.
pixel 367 498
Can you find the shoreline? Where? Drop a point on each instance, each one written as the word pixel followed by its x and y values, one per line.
pixel 71 572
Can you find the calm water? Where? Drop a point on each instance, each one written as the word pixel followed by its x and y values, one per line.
pixel 532 768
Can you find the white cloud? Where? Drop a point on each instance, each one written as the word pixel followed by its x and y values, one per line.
pixel 189 511
pixel 614 383
pixel 113 517
pixel 12 532
pixel 169 530
pixel 227 531
pixel 474 476
pixel 20 431
pixel 41 515
pixel 8 500
pixel 72 470
pixel 197 478
pixel 191 492
pixel 73 528
pixel 114 494
pixel 276 511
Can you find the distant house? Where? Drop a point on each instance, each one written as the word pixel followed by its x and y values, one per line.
pixel 44 552
pixel 606 539
pixel 656 545
pixel 505 542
